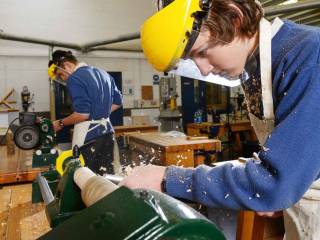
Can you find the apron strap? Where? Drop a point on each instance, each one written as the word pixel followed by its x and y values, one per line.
pixel 267 32
pixel 266 72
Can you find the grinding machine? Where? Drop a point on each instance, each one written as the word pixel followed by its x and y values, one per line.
pixel 37 133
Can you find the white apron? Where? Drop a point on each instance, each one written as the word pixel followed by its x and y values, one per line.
pixel 302 221
pixel 82 129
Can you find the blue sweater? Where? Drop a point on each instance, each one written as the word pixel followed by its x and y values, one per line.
pixel 290 161
pixel 93 91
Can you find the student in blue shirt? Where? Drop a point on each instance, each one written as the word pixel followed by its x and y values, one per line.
pixel 94 97
pixel 278 68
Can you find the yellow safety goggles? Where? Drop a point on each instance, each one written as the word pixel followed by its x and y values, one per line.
pixel 51 71
pixel 169 35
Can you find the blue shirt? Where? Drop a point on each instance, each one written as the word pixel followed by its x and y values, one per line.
pixel 290 159
pixel 93 91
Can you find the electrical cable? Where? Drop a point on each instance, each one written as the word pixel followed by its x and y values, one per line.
pixel 4 136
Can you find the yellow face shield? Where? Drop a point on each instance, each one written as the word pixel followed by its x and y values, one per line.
pixel 51 71
pixel 169 34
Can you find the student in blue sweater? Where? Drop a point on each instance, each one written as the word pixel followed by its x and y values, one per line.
pixel 278 67
pixel 94 96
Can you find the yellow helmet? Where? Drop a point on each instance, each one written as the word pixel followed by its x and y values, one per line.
pixel 169 35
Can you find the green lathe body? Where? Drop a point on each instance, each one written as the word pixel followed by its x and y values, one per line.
pixel 138 214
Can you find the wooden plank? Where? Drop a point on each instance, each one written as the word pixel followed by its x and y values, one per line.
pixel 147 92
pixel 7 95
pixel 23 220
pixel 34 226
pixel 5 198
pixel 21 194
pixel 10 143
pixel 123 130
pixel 245 225
pixel 4 224
pixel 8 110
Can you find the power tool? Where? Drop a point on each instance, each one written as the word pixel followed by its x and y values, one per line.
pixel 37 133
pixel 86 206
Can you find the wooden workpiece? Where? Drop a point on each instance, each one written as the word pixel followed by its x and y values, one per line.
pixel 17 167
pixel 167 150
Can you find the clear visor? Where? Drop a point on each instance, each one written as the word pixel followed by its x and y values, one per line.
pixel 188 68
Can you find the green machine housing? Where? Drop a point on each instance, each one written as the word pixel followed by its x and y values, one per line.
pixel 123 214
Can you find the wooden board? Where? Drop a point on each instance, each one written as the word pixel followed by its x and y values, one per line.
pixel 122 130
pixel 19 218
pixel 17 167
pixel 146 92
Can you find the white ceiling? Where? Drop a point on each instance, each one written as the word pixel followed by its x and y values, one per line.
pixel 75 21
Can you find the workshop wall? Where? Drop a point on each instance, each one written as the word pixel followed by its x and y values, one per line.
pixel 17 71
pixel 76 21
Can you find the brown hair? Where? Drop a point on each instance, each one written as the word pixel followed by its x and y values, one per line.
pixel 60 56
pixel 223 17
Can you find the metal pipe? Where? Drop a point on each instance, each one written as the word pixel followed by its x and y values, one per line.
pixel 39 41
pixel 45 190
pixel 112 49
pixel 83 48
pixel 113 178
pixel 122 38
pixel 51 92
pixel 291 7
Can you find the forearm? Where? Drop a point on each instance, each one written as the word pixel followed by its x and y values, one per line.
pixel 74 118
pixel 114 107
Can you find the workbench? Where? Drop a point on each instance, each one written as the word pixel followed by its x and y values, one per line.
pixel 202 129
pixel 122 130
pixel 17 167
pixel 162 149
pixel 235 127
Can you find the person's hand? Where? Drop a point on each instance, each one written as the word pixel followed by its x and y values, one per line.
pixel 270 214
pixel 56 126
pixel 148 177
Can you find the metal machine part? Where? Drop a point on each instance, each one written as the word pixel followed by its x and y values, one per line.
pixel 26 98
pixel 45 190
pixel 64 158
pixel 170 116
pixel 36 133
pixel 27 137
pixel 113 178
